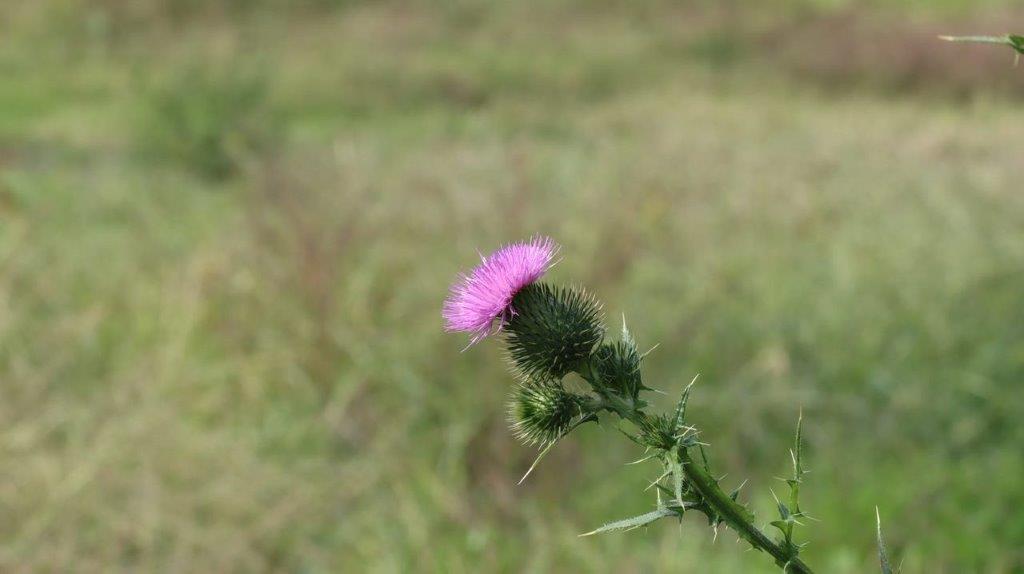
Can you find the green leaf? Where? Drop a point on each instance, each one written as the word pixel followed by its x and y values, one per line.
pixel 735 494
pixel 1017 42
pixel 633 523
pixel 798 467
pixel 785 527
pixel 680 415
pixel 883 556
pixel 627 337
pixel 704 457
pixel 784 511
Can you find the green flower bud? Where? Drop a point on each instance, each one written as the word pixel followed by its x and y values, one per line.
pixel 617 367
pixel 658 432
pixel 541 412
pixel 552 330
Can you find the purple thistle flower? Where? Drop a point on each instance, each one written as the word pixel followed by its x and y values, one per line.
pixel 486 293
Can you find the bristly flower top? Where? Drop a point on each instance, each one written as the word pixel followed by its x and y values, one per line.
pixel 485 294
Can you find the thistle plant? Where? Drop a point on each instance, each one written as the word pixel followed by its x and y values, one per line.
pixel 551 332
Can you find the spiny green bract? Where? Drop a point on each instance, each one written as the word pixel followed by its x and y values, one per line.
pixel 542 411
pixel 618 369
pixel 552 330
pixel 660 432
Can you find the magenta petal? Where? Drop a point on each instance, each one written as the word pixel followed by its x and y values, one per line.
pixel 482 296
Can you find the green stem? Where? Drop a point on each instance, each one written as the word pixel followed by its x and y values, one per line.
pixel 731 512
pixel 736 516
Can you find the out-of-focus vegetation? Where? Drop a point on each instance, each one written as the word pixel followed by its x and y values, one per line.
pixel 226 229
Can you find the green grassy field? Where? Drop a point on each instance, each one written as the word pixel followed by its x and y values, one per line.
pixel 226 230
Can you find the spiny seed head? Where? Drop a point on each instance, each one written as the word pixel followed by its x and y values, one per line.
pixel 540 412
pixel 618 369
pixel 551 330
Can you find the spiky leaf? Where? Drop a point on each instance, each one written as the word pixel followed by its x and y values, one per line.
pixel 798 468
pixel 680 416
pixel 627 337
pixel 658 432
pixel 632 523
pixel 883 555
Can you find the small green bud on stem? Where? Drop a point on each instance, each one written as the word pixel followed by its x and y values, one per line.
pixel 542 412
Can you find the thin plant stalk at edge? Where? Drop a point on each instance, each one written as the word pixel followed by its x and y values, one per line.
pixel 1014 41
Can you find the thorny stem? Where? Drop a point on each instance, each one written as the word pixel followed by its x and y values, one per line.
pixel 717 499
pixel 735 516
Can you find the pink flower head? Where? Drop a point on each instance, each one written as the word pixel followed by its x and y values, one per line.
pixel 486 293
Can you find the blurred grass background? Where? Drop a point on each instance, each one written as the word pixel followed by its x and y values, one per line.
pixel 226 229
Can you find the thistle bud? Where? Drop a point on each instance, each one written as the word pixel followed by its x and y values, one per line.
pixel 552 330
pixel 658 432
pixel 541 412
pixel 617 366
